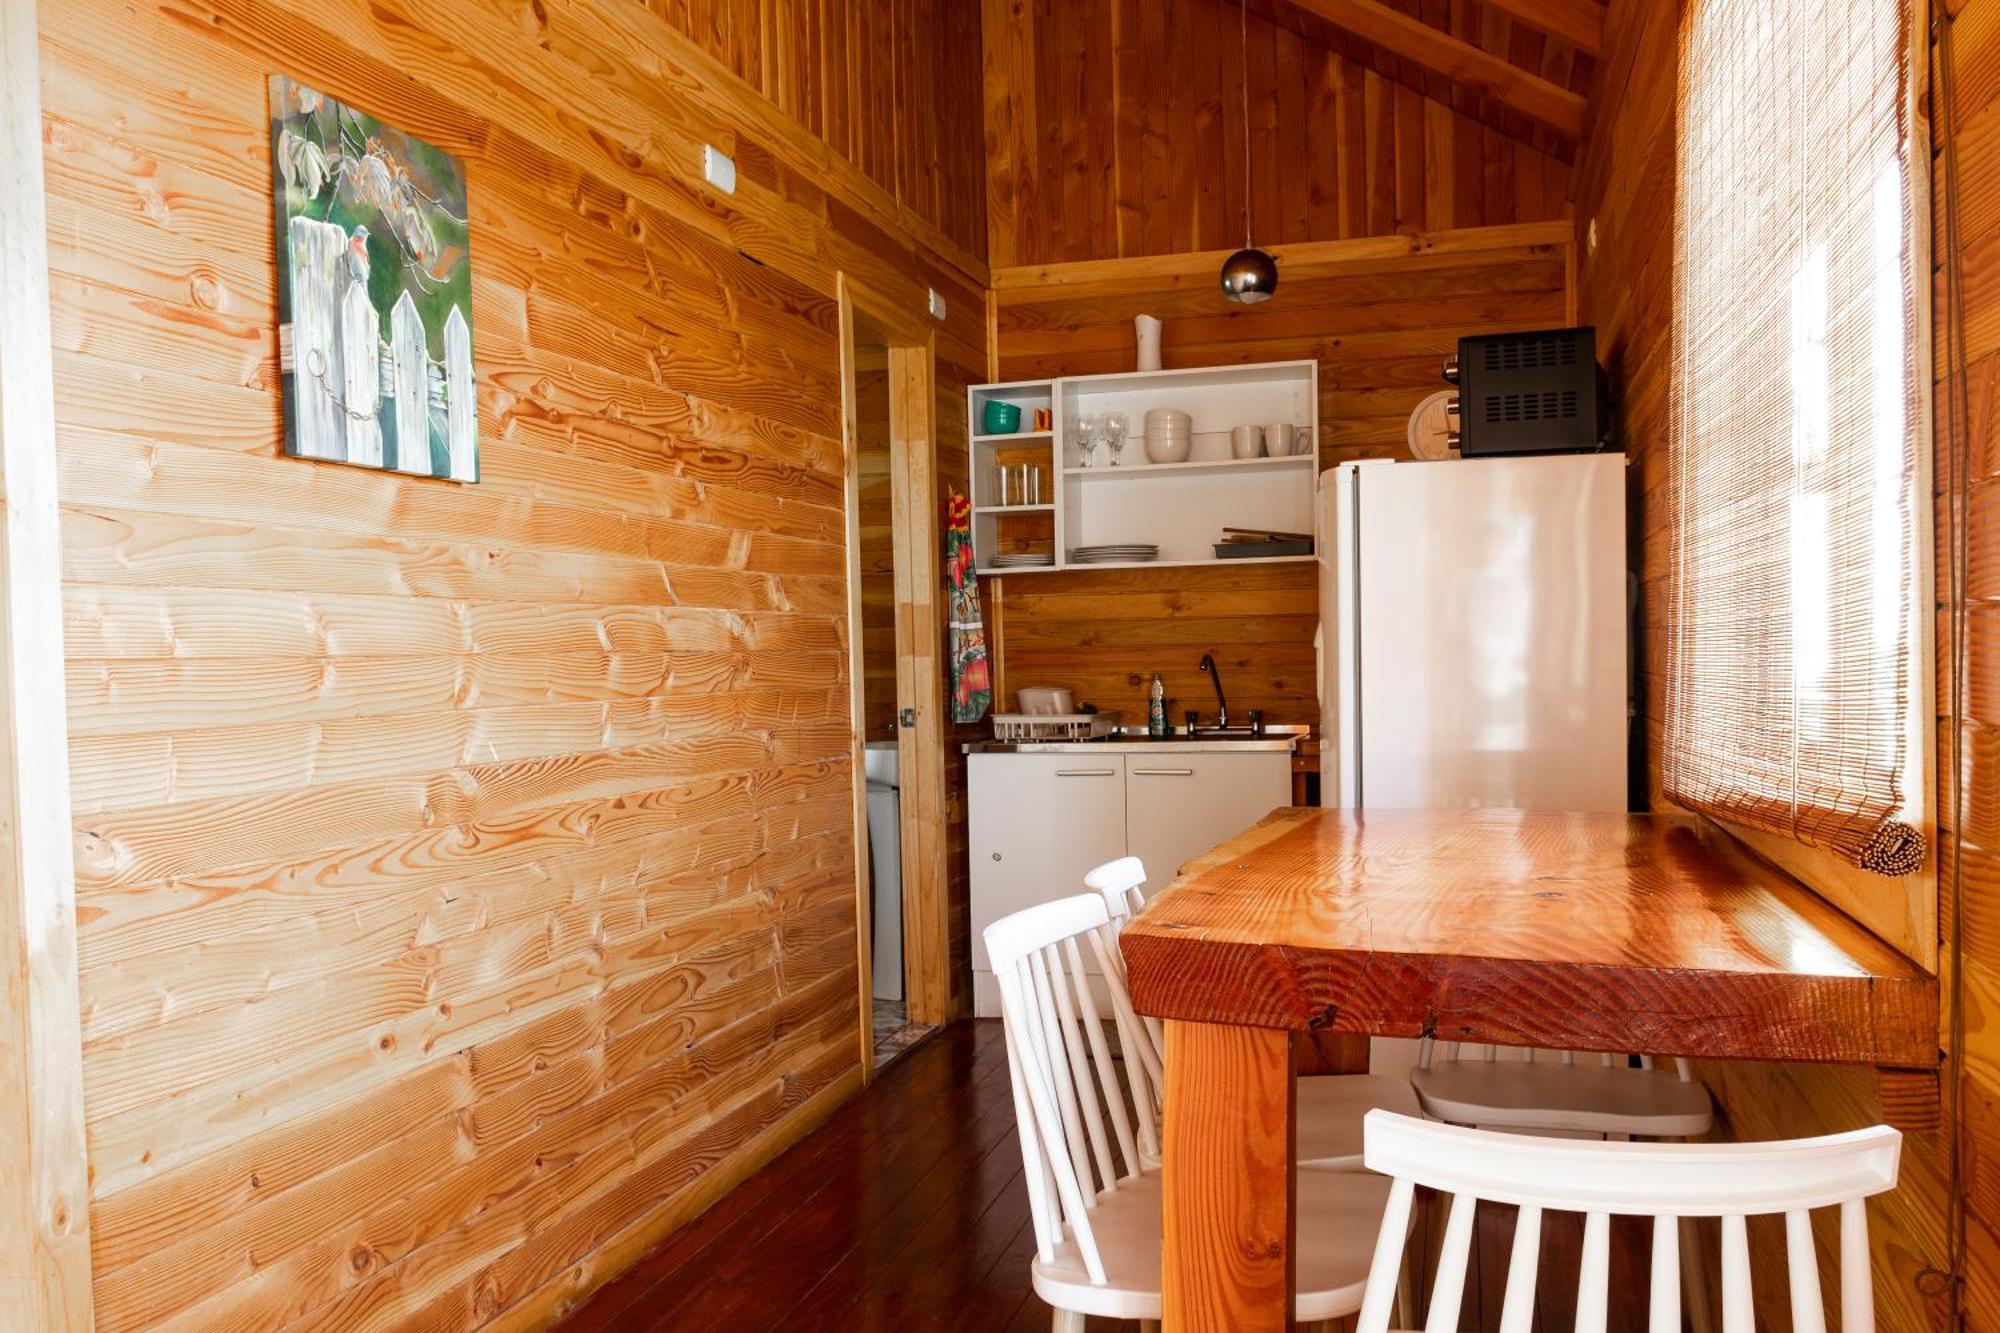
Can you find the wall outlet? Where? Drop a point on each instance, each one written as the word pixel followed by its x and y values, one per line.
pixel 718 169
pixel 936 303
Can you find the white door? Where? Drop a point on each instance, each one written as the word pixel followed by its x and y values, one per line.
pixel 1177 806
pixel 1491 631
pixel 1037 823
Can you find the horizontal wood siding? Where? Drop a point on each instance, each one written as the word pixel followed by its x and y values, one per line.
pixel 1379 326
pixel 464 872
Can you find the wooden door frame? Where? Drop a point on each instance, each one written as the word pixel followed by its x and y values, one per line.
pixel 915 506
pixel 44 1169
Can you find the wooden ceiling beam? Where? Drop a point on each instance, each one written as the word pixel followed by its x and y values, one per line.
pixel 1578 22
pixel 1461 62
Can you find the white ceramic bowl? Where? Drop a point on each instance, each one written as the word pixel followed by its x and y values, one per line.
pixel 1168 448
pixel 1168 418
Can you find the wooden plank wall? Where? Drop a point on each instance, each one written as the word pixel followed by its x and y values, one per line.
pixel 890 85
pixel 1625 195
pixel 464 877
pixel 1115 128
pixel 1969 741
pixel 1378 322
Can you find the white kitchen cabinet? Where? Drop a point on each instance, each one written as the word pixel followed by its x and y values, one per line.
pixel 1177 806
pixel 1039 821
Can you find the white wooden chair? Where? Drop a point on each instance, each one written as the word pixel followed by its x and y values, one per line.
pixel 1668 1182
pixel 1559 1092
pixel 1328 1112
pixel 1095 1208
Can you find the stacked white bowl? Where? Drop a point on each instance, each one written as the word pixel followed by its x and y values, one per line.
pixel 1168 437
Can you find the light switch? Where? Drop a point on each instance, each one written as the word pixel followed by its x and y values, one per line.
pixel 718 169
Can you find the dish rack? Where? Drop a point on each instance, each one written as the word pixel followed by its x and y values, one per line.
pixel 1054 726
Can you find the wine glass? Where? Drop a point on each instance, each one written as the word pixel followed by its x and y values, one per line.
pixel 1087 427
pixel 1115 426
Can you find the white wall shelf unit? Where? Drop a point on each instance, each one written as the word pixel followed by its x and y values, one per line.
pixel 1180 507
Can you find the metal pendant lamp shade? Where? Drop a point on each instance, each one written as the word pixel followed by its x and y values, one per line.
pixel 1250 275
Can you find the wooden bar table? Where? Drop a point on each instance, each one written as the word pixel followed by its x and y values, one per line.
pixel 1598 932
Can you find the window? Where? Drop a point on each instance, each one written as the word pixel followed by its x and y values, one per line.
pixel 1793 617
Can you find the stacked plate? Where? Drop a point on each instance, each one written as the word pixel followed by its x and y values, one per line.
pixel 1121 554
pixel 1022 560
pixel 1168 435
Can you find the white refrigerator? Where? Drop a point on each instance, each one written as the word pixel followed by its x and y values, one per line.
pixel 1474 634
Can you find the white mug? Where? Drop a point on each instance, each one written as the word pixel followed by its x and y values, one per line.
pixel 1246 441
pixel 1278 439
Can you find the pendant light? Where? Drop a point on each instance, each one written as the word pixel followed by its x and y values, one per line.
pixel 1249 275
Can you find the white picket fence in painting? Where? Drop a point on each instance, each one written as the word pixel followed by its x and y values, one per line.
pixel 344 375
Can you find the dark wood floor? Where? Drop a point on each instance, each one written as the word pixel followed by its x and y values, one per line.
pixel 906 1210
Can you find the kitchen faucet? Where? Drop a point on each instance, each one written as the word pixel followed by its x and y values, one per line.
pixel 1221 704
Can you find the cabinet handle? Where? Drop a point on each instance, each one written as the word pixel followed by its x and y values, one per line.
pixel 1162 772
pixel 1086 772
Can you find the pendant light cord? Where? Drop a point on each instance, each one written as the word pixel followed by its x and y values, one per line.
pixel 1243 21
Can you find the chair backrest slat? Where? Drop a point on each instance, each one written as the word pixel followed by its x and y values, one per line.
pixel 1517 1307
pixel 1143 1068
pixel 1042 1206
pixel 1080 1062
pixel 1448 1292
pixel 1594 1274
pixel 1667 1182
pixel 1857 1294
pixel 1122 885
pixel 1093 1028
pixel 1664 1310
pixel 1059 1072
pixel 1802 1267
pixel 1738 1311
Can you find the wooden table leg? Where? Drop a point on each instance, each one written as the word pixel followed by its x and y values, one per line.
pixel 1228 1160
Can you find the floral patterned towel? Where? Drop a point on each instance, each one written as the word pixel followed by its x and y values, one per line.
pixel 971 683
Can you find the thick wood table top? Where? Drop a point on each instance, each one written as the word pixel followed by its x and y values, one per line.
pixel 1646 933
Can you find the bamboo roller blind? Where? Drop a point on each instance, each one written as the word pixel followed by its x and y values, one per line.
pixel 1792 466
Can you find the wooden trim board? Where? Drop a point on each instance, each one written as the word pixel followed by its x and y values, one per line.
pixel 1463 63
pixel 857 685
pixel 45 1269
pixel 1301 262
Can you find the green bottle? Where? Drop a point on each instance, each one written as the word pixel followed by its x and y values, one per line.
pixel 1156 709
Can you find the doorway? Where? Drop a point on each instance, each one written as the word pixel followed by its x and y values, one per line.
pixel 895 647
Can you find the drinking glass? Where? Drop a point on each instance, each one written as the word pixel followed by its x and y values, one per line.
pixel 1087 427
pixel 1115 426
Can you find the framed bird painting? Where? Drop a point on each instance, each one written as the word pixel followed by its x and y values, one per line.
pixel 374 291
